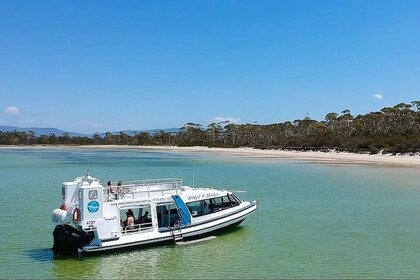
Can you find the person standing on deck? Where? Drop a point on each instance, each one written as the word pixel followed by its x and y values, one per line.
pixel 119 189
pixel 111 190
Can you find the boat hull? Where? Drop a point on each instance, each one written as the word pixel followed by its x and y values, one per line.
pixel 175 234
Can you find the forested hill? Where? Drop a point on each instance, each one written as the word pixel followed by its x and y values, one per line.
pixel 391 130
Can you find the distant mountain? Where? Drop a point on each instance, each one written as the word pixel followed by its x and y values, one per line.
pixel 41 130
pixel 58 132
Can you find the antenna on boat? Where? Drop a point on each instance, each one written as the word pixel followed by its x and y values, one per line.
pixel 87 172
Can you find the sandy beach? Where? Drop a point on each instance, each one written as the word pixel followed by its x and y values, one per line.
pixel 314 156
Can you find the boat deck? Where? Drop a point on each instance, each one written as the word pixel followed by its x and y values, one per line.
pixel 147 188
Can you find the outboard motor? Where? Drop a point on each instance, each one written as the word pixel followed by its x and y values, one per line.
pixel 67 240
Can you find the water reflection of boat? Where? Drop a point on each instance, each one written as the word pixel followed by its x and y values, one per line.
pixel 93 218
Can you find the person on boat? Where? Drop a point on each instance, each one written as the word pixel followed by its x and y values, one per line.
pixel 119 187
pixel 145 218
pixel 129 222
pixel 119 190
pixel 111 190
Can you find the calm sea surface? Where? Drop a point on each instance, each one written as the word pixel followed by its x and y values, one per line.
pixel 314 220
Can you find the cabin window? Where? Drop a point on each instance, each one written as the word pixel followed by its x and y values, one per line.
pixel 233 200
pixel 142 217
pixel 63 191
pixel 167 215
pixel 195 208
pixel 203 207
pixel 199 208
pixel 216 204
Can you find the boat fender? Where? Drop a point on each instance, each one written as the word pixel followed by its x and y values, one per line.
pixel 63 207
pixel 76 215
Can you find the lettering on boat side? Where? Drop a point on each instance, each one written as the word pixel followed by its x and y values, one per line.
pixel 141 201
pixel 195 197
pixel 203 196
pixel 93 206
pixel 212 194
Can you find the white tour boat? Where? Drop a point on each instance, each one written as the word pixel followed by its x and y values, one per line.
pixel 94 217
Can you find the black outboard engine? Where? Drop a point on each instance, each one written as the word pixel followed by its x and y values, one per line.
pixel 67 240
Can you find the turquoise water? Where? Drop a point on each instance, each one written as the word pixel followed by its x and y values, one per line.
pixel 314 220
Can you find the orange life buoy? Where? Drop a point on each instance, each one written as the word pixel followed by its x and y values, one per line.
pixel 63 207
pixel 76 215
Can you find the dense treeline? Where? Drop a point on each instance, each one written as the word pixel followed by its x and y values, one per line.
pixel 391 130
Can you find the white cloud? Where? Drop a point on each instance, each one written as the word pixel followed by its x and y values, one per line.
pixel 224 119
pixel 94 125
pixel 378 96
pixel 12 110
pixel 87 124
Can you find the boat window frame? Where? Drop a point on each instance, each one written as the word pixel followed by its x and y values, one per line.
pixel 215 206
pixel 138 226
pixel 207 206
pixel 170 211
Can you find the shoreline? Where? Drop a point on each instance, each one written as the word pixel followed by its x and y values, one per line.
pixel 309 156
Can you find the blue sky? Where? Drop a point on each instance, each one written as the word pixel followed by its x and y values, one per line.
pixel 96 66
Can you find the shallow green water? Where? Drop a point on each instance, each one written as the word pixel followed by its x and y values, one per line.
pixel 314 220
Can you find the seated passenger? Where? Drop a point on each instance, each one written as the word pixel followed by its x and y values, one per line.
pixel 129 222
pixel 145 218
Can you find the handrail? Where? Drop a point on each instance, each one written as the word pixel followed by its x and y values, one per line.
pixel 239 194
pixel 151 186
pixel 150 182
pixel 137 227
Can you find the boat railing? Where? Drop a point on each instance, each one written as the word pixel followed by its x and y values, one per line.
pixel 152 186
pixel 239 194
pixel 137 227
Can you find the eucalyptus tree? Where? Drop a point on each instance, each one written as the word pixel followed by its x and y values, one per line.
pixel 231 132
pixel 44 139
pixel 399 119
pixel 416 109
pixel 305 127
pixel 96 137
pixel 214 131
pixel 331 119
pixel 30 136
pixel 52 139
pixel 193 133
pixel 142 138
pixel 163 138
pixel 65 139
pixel 124 138
pixel 111 139
pixel 345 123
